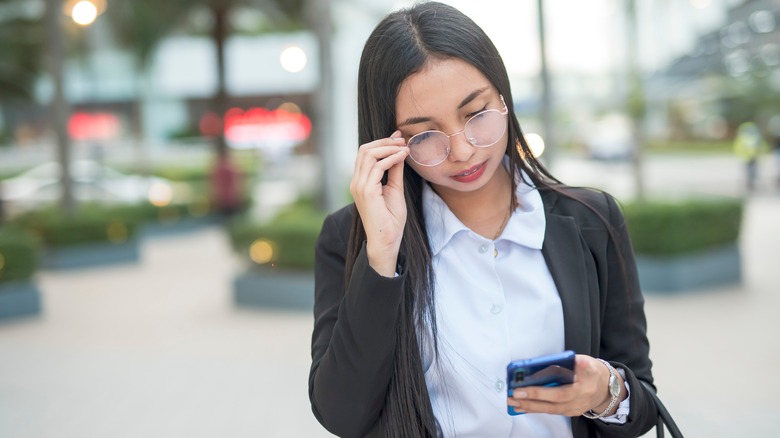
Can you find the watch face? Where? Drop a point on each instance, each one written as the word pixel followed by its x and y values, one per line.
pixel 614 384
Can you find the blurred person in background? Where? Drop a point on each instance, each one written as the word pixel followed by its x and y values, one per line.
pixel 461 253
pixel 226 183
pixel 774 131
pixel 776 146
pixel 2 206
pixel 748 145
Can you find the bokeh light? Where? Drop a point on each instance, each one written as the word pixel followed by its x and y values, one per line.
pixel 117 232
pixel 84 13
pixel 261 251
pixel 535 143
pixel 293 59
pixel 160 194
pixel 199 207
pixel 290 107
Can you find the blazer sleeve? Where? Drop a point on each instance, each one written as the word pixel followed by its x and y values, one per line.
pixel 624 329
pixel 354 334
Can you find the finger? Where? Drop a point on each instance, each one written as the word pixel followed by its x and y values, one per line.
pixel 368 180
pixel 367 159
pixel 534 406
pixel 386 164
pixel 557 394
pixel 395 175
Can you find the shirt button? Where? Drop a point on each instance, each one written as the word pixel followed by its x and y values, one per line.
pixel 496 309
pixel 483 248
pixel 499 385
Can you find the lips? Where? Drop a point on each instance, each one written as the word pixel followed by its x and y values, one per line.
pixel 470 174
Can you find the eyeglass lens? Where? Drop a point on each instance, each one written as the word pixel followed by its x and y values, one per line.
pixel 430 148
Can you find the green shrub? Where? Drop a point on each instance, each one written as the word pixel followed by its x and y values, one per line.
pixel 92 224
pixel 148 213
pixel 287 242
pixel 691 147
pixel 18 254
pixel 670 228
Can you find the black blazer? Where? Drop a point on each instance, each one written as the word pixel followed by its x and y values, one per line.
pixel 354 330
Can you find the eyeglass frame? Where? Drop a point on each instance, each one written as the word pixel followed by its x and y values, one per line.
pixel 503 112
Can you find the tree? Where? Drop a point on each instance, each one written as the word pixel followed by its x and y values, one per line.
pixel 142 24
pixel 635 102
pixel 21 46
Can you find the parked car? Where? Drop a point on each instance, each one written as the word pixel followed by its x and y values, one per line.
pixel 91 182
pixel 611 139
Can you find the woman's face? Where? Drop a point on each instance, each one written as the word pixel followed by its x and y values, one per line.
pixel 442 97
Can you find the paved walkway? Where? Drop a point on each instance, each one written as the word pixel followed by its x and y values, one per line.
pixel 158 349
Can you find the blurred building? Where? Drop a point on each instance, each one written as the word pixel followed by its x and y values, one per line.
pixel 731 74
pixel 113 102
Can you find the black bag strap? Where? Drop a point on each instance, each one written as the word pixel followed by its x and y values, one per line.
pixel 664 417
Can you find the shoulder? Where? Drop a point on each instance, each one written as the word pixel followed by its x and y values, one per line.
pixel 589 207
pixel 337 225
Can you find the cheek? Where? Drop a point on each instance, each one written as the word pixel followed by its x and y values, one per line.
pixel 426 173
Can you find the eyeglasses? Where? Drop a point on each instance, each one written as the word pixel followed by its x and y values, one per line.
pixel 484 129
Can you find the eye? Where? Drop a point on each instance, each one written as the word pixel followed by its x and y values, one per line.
pixel 472 114
pixel 421 137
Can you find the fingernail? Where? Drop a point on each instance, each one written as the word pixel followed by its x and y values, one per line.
pixel 396 134
pixel 521 394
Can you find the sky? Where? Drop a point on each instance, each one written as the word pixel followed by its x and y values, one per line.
pixel 588 36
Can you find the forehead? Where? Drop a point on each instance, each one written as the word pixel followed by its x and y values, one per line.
pixel 440 86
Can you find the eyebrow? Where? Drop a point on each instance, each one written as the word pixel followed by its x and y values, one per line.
pixel 473 95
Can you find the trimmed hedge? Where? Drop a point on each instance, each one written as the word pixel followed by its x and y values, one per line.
pixel 91 224
pixel 291 235
pixel 18 255
pixel 671 228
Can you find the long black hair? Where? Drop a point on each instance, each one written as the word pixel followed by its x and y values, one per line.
pixel 401 45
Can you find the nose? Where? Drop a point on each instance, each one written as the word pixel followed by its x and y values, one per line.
pixel 460 147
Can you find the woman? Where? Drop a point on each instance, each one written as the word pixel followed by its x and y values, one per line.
pixel 462 253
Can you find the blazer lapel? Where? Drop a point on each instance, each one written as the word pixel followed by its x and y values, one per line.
pixel 562 250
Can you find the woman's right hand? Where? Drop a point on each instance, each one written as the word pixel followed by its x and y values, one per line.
pixel 382 208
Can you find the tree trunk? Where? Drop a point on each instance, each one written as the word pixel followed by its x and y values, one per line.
pixel 546 100
pixel 318 18
pixel 220 13
pixel 59 111
pixel 635 101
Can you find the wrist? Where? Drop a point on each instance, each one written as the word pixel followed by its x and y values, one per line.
pixel 383 261
pixel 616 393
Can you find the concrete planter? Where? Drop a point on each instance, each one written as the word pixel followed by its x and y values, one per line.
pixel 714 267
pixel 266 288
pixel 91 254
pixel 19 298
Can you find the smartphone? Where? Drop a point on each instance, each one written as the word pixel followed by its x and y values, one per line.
pixel 549 370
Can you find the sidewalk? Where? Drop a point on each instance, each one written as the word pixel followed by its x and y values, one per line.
pixel 158 350
pixel 155 350
pixel 714 352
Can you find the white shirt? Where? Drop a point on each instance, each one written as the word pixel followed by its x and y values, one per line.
pixel 490 311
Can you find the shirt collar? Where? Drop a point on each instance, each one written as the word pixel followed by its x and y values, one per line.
pixel 525 227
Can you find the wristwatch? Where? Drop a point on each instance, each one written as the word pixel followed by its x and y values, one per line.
pixel 614 392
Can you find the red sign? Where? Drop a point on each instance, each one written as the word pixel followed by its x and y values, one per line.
pixel 94 126
pixel 259 125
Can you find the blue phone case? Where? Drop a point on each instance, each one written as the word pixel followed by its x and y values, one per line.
pixel 549 370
